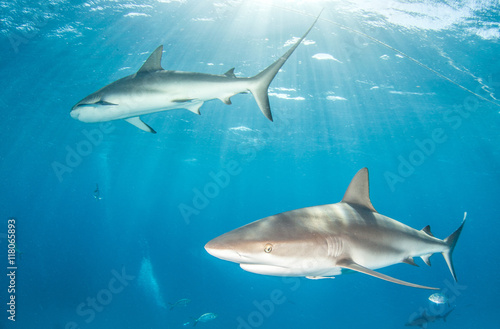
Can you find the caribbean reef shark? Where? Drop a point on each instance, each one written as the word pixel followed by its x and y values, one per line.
pixel 328 240
pixel 424 319
pixel 153 89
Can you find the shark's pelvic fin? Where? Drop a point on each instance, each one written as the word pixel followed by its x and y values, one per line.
pixel 194 107
pixel 356 267
pixel 409 260
pixel 358 191
pixel 153 63
pixel 226 100
pixel 261 82
pixel 136 121
pixel 451 241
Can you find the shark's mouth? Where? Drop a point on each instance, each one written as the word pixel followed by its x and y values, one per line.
pixel 291 271
pixel 272 270
pixel 94 104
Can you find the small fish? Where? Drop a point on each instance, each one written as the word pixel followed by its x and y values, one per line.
pixel 205 318
pixel 439 298
pixel 97 195
pixel 180 302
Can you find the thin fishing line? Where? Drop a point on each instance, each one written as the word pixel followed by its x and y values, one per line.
pixel 391 48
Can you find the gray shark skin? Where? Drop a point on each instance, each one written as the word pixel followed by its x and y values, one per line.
pixel 153 89
pixel 324 241
pixel 424 319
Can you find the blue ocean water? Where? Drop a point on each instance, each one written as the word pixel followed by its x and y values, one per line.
pixel 342 101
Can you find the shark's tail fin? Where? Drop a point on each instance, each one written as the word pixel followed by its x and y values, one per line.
pixel 446 315
pixel 451 241
pixel 261 82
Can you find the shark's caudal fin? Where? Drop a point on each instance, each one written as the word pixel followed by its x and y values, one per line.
pixel 446 315
pixel 261 82
pixel 451 241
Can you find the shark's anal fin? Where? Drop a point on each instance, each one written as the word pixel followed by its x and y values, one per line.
pixel 347 263
pixel 136 121
pixel 358 191
pixel 426 259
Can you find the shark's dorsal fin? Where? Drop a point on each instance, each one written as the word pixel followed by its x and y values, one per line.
pixel 427 230
pixel 230 73
pixel 347 263
pixel 153 63
pixel 358 191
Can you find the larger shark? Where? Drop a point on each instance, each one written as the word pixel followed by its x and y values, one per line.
pixel 153 89
pixel 325 241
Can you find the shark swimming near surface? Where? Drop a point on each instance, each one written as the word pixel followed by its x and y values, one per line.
pixel 153 89
pixel 325 241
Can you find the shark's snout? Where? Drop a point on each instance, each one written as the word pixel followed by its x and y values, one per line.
pixel 75 112
pixel 223 251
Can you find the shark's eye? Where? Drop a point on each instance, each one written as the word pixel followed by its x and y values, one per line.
pixel 268 248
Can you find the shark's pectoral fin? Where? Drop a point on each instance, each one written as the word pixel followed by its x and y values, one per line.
pixel 136 121
pixel 347 263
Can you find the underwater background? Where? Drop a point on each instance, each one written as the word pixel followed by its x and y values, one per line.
pixel 115 257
